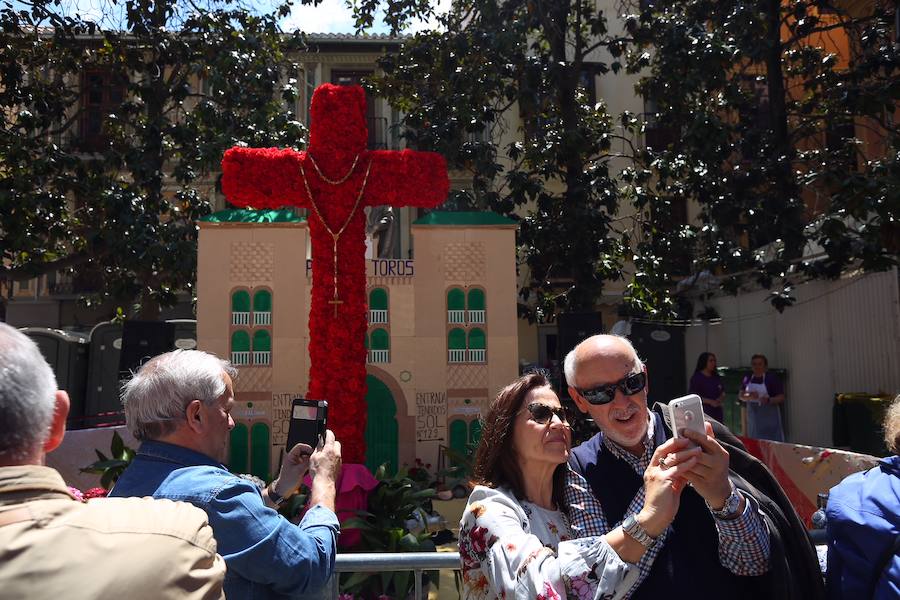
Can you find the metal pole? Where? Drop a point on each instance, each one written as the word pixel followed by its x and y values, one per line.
pixel 418 575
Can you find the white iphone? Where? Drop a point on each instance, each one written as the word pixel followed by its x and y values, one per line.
pixel 686 413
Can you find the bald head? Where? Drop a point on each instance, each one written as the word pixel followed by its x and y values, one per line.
pixel 613 350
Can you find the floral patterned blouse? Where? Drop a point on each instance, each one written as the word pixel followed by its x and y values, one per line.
pixel 516 549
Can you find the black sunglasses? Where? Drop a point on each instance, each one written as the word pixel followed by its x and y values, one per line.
pixel 606 393
pixel 543 413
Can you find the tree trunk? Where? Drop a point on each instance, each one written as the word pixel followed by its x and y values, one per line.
pixel 786 191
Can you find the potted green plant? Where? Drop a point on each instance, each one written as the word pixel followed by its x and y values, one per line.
pixel 398 500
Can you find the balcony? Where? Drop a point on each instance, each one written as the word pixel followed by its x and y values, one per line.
pixel 476 317
pixel 240 358
pixel 378 317
pixel 262 318
pixel 456 317
pixel 240 318
pixel 262 358
pixel 379 356
pixel 456 356
pixel 477 355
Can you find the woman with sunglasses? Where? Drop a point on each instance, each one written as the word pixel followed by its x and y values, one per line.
pixel 515 539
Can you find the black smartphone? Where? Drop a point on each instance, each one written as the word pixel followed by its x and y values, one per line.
pixel 308 422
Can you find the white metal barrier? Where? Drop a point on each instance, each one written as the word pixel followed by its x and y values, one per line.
pixel 375 562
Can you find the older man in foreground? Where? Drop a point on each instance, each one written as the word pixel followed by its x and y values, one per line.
pixel 54 546
pixel 735 534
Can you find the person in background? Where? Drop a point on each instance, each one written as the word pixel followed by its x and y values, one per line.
pixel 705 382
pixel 863 526
pixel 54 546
pixel 763 394
pixel 515 538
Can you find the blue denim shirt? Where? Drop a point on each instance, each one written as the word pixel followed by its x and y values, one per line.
pixel 267 556
pixel 863 525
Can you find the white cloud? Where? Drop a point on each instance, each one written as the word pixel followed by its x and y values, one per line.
pixel 331 16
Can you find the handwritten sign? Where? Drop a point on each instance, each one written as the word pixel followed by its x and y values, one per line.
pixel 281 417
pixel 431 416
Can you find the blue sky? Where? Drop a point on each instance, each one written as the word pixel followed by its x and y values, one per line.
pixel 330 16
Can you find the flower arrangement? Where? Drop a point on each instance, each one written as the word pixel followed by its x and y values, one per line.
pixel 336 177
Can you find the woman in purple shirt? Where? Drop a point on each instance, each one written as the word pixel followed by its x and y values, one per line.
pixel 705 383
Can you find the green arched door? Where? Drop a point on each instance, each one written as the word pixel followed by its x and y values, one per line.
pixel 260 447
pixel 459 440
pixel 381 426
pixel 240 444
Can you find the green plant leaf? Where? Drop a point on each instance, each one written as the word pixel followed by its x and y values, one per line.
pixel 355 580
pixel 356 523
pixel 117 447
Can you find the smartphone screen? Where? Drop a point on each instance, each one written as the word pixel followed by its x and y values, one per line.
pixel 307 422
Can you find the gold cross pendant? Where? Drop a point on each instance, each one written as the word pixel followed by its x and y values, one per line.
pixel 335 301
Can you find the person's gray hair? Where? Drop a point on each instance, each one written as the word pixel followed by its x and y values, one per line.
pixel 569 362
pixel 27 396
pixel 892 426
pixel 157 396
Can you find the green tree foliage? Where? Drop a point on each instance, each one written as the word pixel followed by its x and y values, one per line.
pixel 111 128
pixel 460 89
pixel 779 122
pixel 752 123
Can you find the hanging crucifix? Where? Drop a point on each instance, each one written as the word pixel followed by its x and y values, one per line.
pixel 336 177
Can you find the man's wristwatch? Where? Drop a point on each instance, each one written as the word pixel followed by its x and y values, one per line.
pixel 730 509
pixel 631 527
pixel 274 496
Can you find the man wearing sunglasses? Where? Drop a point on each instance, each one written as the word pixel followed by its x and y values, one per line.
pixel 718 546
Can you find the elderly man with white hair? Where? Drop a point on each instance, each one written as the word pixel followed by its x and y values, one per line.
pixel 54 546
pixel 179 406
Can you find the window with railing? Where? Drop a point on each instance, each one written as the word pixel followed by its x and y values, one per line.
pixel 456 306
pixel 380 350
pixel 240 308
pixel 262 307
pixel 240 348
pixel 262 348
pixel 456 345
pixel 477 345
pixel 378 306
pixel 475 306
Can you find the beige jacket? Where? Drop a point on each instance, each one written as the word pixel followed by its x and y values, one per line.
pixel 55 547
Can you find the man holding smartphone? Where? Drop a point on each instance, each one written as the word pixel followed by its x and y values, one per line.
pixel 179 405
pixel 719 544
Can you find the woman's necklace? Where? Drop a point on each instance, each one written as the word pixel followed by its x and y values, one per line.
pixel 335 235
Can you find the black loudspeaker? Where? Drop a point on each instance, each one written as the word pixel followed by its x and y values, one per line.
pixel 661 347
pixel 142 340
pixel 574 328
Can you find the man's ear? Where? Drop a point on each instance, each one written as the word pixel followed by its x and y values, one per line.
pixel 194 416
pixel 58 423
pixel 646 380
pixel 579 401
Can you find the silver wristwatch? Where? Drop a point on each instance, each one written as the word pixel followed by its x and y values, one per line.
pixel 631 527
pixel 730 509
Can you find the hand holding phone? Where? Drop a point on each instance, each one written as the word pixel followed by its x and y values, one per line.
pixel 308 423
pixel 687 413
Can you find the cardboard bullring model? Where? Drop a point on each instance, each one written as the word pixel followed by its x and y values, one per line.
pixel 406 352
